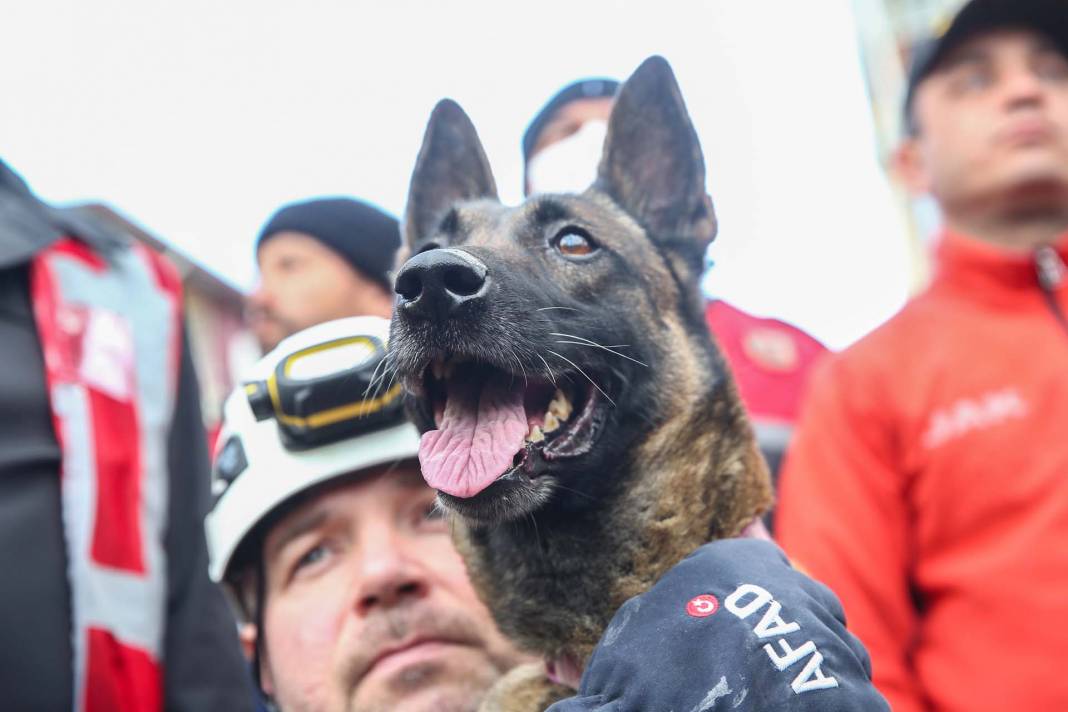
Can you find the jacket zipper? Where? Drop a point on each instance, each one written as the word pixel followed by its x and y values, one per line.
pixel 1051 270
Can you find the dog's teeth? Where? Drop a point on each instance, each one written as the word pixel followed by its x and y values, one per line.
pixel 437 367
pixel 551 422
pixel 560 407
pixel 535 435
pixel 449 367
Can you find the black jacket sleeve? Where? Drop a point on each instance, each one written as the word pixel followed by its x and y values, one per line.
pixel 730 628
pixel 203 666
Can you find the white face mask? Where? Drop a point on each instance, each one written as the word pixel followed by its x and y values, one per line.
pixel 569 165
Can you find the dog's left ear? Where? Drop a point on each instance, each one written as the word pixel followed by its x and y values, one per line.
pixel 652 164
pixel 451 168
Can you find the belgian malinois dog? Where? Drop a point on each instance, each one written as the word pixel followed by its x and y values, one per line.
pixel 577 415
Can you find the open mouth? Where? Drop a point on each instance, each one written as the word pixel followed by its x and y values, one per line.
pixel 492 424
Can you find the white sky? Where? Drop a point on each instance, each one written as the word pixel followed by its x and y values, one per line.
pixel 198 119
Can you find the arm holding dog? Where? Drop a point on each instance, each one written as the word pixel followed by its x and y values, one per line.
pixel 731 627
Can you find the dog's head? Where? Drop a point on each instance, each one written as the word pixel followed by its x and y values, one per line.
pixel 544 344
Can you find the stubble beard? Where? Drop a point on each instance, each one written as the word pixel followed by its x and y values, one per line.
pixel 463 692
pixel 461 696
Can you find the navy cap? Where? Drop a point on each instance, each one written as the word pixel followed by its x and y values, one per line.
pixel 366 237
pixel 582 89
pixel 1049 17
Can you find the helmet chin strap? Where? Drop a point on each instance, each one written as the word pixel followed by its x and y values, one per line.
pixel 257 616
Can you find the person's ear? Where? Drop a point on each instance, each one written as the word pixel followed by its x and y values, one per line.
pixel 247 634
pixel 909 167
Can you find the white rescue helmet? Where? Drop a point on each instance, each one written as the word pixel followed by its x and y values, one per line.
pixel 320 405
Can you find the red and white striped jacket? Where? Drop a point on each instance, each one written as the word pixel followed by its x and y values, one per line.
pixel 110 336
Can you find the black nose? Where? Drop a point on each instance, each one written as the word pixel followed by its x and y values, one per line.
pixel 436 283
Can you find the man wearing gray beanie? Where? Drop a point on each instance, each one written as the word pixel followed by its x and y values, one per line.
pixel 319 260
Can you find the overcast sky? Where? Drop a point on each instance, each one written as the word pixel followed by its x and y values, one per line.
pixel 197 119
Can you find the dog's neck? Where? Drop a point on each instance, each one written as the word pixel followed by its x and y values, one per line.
pixel 554 586
pixel 567 670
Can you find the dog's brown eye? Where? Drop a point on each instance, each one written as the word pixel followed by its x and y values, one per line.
pixel 574 243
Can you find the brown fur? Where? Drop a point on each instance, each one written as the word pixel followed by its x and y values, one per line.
pixel 692 473
pixel 700 482
pixel 523 688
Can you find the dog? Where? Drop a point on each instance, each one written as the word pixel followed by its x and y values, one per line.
pixel 578 418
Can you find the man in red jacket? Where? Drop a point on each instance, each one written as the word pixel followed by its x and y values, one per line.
pixel 927 483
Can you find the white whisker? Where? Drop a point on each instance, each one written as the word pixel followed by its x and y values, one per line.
pixel 392 377
pixel 574 491
pixel 537 534
pixel 552 377
pixel 587 342
pixel 584 374
pixel 391 372
pixel 374 375
pixel 597 346
pixel 526 383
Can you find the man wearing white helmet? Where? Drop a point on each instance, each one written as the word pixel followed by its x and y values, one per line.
pixel 327 537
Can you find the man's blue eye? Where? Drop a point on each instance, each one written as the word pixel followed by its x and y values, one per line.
pixel 312 557
pixel 975 79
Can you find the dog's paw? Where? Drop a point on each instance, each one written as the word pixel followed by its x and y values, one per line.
pixel 524 689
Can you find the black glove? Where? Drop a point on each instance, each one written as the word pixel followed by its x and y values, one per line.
pixel 734 628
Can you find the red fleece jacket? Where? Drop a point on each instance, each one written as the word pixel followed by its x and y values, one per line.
pixel 770 360
pixel 927 484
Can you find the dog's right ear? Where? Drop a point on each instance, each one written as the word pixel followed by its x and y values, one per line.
pixel 451 167
pixel 652 164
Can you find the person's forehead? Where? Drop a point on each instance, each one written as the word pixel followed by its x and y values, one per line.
pixel 572 114
pixel 988 43
pixel 292 244
pixel 288 243
pixel 371 484
pixel 288 240
pixel 584 109
pixel 399 482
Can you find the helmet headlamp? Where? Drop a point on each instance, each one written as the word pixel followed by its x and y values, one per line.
pixel 327 392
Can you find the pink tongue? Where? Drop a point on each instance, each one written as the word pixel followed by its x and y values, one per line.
pixel 483 427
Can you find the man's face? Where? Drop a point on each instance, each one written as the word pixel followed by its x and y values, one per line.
pixel 992 122
pixel 302 283
pixel 570 117
pixel 368 607
pixel 565 124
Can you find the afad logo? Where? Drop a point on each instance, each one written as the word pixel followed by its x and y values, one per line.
pixel 803 661
pixel 702 606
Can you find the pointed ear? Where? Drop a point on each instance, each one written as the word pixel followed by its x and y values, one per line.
pixel 451 167
pixel 652 164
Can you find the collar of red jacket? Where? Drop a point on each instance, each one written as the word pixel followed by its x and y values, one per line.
pixel 972 264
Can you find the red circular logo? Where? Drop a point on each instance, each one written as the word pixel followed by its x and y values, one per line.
pixel 702 606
